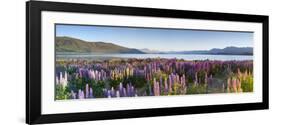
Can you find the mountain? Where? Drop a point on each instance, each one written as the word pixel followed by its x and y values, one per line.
pixel 225 51
pixel 233 50
pixel 68 44
pixel 189 52
pixel 149 51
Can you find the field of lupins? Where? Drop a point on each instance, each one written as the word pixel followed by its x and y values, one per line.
pixel 117 78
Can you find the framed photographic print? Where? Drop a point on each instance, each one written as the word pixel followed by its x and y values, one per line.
pixel 95 62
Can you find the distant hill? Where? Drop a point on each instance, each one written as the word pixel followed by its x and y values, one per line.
pixel 233 50
pixel 68 44
pixel 225 51
pixel 148 51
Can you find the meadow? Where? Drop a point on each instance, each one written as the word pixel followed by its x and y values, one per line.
pixel 135 77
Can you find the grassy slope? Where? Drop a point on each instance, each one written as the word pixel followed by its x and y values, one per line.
pixel 68 44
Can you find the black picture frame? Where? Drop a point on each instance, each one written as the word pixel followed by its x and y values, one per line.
pixel 33 61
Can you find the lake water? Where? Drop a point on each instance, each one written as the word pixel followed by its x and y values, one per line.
pixel 167 56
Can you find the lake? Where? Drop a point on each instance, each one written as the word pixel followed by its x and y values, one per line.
pixel 167 56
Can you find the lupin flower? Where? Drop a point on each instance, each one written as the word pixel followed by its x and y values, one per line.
pixel 196 79
pixel 91 93
pixel 132 91
pixel 160 84
pixel 81 94
pixel 128 90
pixel 156 88
pixel 167 76
pixel 124 92
pixel 87 91
pixel 73 94
pixel 105 92
pixel 223 88
pixel 206 78
pixel 234 84
pixel 112 92
pixel 170 83
pixel 117 94
pixel 228 85
pixel 166 89
pixel 57 80
pixel 108 94
pixel 62 80
pixel 239 89
pixel 121 89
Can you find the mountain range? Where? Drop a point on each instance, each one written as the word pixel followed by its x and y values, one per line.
pixel 68 44
pixel 225 51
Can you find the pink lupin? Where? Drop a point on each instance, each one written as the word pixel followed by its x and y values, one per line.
pixel 206 78
pixel 234 84
pixel 228 85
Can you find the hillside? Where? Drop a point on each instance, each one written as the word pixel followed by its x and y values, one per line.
pixel 68 44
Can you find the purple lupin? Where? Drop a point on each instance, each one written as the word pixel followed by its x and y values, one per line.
pixel 112 92
pixel 87 91
pixel 170 83
pixel 117 94
pixel 91 93
pixel 160 84
pixel 165 86
pixel 121 89
pixel 206 78
pixel 108 94
pixel 128 90
pixel 81 94
pixel 124 92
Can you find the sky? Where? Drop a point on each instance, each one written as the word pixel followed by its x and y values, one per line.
pixel 157 39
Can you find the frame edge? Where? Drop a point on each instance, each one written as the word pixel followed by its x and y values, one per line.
pixel 33 90
pixel 27 117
